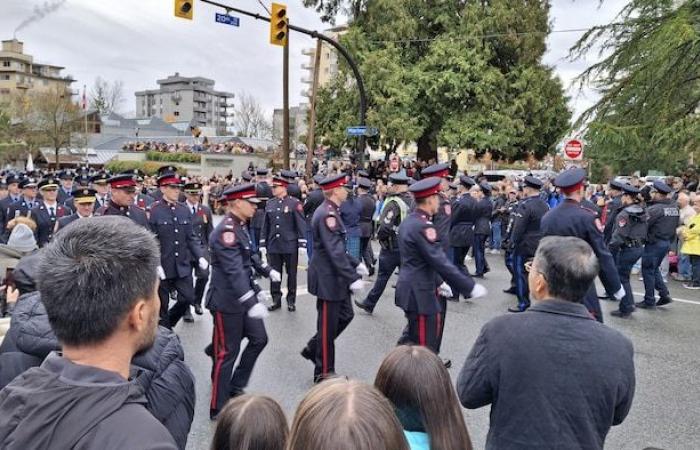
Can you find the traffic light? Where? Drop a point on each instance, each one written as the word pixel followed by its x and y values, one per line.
pixel 279 25
pixel 184 9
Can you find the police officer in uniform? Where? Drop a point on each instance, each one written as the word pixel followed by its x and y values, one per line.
pixel 397 205
pixel 100 182
pixel 627 242
pixel 66 190
pixel 482 229
pixel 282 238
pixel 571 218
pixel 314 199
pixel 366 201
pixel 510 207
pixel 664 216
pixel 525 237
pixel 48 211
pixel 293 188
pixel 27 202
pixel 264 192
pixel 121 201
pixel 333 275
pixel 14 196
pixel 171 222
pixel 462 227
pixel 202 225
pixel 612 208
pixel 141 199
pixel 234 298
pixel 84 203
pixel 425 270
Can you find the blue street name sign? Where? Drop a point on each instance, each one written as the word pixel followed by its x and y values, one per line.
pixel 228 20
pixel 361 131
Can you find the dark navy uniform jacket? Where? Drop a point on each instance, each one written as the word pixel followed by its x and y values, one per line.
pixel 45 224
pixel 526 233
pixel 65 221
pixel 612 209
pixel 179 248
pixel 144 201
pixel 202 226
pixel 463 217
pixel 630 228
pixel 20 208
pixel 136 214
pixel 294 190
pixel 482 221
pixel 351 212
pixel 4 210
pixel 331 269
pixel 424 266
pixel 366 213
pixel 570 218
pixel 263 190
pixel 442 221
pixel 313 201
pixel 390 219
pixel 232 288
pixel 663 220
pixel 63 196
pixel 283 227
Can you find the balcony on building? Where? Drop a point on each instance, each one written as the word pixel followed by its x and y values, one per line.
pixel 307 80
pixel 308 66
pixel 309 51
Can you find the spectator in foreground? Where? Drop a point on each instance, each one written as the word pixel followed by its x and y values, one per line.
pixel 251 422
pixel 554 376
pixel 417 383
pixel 98 283
pixel 339 414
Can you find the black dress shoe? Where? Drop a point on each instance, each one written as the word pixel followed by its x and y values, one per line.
pixel 371 270
pixel 187 317
pixel 604 297
pixel 620 314
pixel 509 291
pixel 306 354
pixel 447 362
pixel 213 414
pixel 516 309
pixel 644 305
pixel 453 299
pixel 274 307
pixel 664 301
pixel 291 307
pixel 198 310
pixel 363 307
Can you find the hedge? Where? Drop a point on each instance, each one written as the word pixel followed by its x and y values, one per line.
pixel 148 167
pixel 189 158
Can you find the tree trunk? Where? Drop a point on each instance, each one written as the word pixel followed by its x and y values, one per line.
pixel 56 160
pixel 427 145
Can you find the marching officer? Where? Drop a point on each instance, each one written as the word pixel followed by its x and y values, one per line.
pixel 66 190
pixel 333 275
pixel 462 228
pixel 171 222
pixel 572 218
pixel 510 207
pixel 293 188
pixel 366 201
pixel 482 228
pixel 84 203
pixel 612 208
pixel 234 298
pixel 664 216
pixel 282 238
pixel 397 205
pixel 121 201
pixel 426 273
pixel 202 225
pixel 263 192
pixel 525 236
pixel 48 211
pixel 314 199
pixel 627 242
pixel 141 199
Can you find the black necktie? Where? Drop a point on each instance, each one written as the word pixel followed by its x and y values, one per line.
pixel 194 210
pixel 51 213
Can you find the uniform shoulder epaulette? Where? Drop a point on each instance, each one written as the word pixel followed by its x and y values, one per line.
pixel 592 211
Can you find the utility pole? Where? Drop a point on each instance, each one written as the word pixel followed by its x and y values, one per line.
pixel 311 134
pixel 285 104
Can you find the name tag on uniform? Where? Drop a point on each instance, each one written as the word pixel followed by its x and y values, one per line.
pixel 671 212
pixel 286 209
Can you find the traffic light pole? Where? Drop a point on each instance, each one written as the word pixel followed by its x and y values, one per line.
pixel 285 104
pixel 316 35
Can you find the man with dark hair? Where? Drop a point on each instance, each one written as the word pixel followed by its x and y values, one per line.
pixel 98 283
pixel 551 358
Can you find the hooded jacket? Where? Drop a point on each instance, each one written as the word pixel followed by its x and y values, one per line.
pixel 164 377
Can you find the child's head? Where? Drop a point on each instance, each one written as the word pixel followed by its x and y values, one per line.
pixel 251 422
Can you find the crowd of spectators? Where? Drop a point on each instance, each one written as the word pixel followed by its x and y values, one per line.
pixel 204 145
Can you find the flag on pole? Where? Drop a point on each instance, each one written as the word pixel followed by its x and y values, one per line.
pixel 84 101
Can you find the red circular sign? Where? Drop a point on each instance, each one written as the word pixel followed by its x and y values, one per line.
pixel 573 149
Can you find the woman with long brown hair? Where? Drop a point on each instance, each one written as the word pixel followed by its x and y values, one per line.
pixel 345 415
pixel 416 382
pixel 250 422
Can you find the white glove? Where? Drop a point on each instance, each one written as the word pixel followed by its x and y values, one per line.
pixel 357 285
pixel 263 256
pixel 361 269
pixel 161 272
pixel 264 297
pixel 275 276
pixel 466 260
pixel 258 311
pixel 478 291
pixel 445 290
pixel 203 264
pixel 620 294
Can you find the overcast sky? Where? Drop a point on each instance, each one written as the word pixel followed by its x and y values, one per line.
pixel 139 41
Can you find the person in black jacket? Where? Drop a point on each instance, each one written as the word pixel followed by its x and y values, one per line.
pixel 462 227
pixel 482 227
pixel 313 201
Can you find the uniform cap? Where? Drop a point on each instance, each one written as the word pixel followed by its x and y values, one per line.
pixel 467 181
pixel 100 178
pixel 65 175
pixel 289 175
pixel 485 188
pixel 137 173
pixel 318 178
pixel 425 188
pixel 662 187
pixel 246 176
pixel 570 180
pixel 49 182
pixel 262 171
pixel 436 170
pixel 280 181
pixel 169 179
pixel 533 182
pixel 82 179
pixel 193 188
pixel 615 184
pixel 364 183
pixel 27 182
pixel 122 181
pixel 396 178
pixel 163 170
pixel 84 195
pixel 12 178
pixel 332 182
pixel 629 189
pixel 244 191
pixel 454 186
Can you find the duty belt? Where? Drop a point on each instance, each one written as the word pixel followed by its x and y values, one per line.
pixel 635 243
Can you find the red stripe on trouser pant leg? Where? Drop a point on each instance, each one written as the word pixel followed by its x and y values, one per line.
pixel 324 337
pixel 421 330
pixel 220 353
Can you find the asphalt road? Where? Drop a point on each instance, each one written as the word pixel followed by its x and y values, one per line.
pixel 666 409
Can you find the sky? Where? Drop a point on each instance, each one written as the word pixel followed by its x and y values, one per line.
pixel 140 41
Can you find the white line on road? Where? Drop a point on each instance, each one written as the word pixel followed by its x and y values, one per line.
pixel 682 300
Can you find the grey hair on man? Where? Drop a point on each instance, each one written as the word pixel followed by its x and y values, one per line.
pixel 568 265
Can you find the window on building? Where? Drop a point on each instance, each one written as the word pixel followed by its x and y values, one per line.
pixel 6 63
pixel 176 113
pixel 177 103
pixel 4 91
pixel 6 76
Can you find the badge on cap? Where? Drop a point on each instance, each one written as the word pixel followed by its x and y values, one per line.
pixel 331 223
pixel 430 234
pixel 229 238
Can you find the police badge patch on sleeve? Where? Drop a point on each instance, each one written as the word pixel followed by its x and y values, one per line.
pixel 331 223
pixel 228 238
pixel 621 222
pixel 430 234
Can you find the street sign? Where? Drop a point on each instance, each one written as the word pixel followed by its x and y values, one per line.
pixel 361 131
pixel 228 20
pixel 573 150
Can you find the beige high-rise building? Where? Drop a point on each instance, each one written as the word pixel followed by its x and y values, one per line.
pixel 20 74
pixel 328 66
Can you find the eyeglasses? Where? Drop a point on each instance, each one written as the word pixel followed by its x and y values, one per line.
pixel 529 268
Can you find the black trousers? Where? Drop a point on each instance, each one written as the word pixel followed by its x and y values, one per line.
pixel 423 330
pixel 290 261
pixel 482 266
pixel 185 297
pixel 333 318
pixel 366 253
pixel 389 260
pixel 229 331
